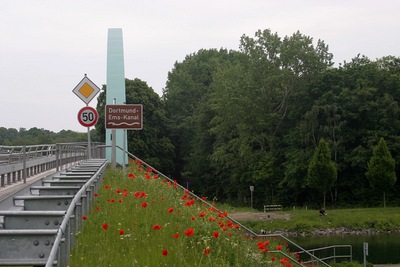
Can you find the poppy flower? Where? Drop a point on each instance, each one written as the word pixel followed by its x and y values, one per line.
pixel 176 236
pixel 105 226
pixel 206 251
pixel 144 204
pixel 202 214
pixel 189 232
pixel 96 195
pixel 215 234
pixel 164 252
pixel 137 194
pixel 279 247
pixel 121 232
pixel 84 217
pixel 156 227
pixel 170 210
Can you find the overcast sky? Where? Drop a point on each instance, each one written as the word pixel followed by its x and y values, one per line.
pixel 46 46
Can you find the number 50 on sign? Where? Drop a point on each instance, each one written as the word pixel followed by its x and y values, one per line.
pixel 87 116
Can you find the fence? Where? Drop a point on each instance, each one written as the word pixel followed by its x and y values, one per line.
pixel 17 163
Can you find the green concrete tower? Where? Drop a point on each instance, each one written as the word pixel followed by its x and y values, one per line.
pixel 115 88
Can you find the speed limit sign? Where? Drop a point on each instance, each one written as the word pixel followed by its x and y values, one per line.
pixel 87 116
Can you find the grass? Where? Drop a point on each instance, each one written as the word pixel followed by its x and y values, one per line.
pixel 375 219
pixel 145 220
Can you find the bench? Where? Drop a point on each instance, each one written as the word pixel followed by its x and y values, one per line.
pixel 31 219
pixel 26 247
pixel 60 202
pixel 272 207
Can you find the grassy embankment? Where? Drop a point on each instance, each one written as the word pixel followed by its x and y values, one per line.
pixel 144 220
pixel 358 219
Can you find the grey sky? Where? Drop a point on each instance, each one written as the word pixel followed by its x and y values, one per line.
pixel 46 46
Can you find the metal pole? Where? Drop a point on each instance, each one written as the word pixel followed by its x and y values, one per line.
pixel 124 154
pixel 89 143
pixel 24 165
pixel 114 145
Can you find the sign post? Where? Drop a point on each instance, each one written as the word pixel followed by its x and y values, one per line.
pixel 86 90
pixel 125 117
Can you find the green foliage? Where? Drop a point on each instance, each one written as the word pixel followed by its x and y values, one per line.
pixel 35 136
pixel 321 170
pixel 381 168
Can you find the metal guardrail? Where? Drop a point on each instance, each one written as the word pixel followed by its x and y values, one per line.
pixel 20 162
pixel 40 228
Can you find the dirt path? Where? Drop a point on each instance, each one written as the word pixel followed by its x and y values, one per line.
pixel 258 216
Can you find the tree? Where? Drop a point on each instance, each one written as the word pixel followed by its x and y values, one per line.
pixel 381 169
pixel 321 170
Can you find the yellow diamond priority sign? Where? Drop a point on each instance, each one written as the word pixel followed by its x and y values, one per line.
pixel 86 90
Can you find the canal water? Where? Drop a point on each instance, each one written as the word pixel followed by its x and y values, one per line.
pixel 382 248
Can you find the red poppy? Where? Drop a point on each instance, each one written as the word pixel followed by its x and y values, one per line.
pixel 119 191
pixel 131 175
pixel 279 247
pixel 202 214
pixel 105 226
pixel 96 195
pixel 121 232
pixel 206 251
pixel 137 194
pixel 165 252
pixel 176 236
pixel 189 232
pixel 215 234
pixel 170 210
pixel 84 217
pixel 156 227
pixel 144 204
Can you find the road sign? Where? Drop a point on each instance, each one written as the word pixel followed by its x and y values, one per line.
pixel 87 116
pixel 128 117
pixel 86 90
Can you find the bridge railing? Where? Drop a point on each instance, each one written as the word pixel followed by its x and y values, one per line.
pixel 17 163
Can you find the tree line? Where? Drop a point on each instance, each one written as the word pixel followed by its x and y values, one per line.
pixel 230 119
pixel 36 136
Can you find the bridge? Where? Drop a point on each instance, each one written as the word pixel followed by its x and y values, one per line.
pixel 45 191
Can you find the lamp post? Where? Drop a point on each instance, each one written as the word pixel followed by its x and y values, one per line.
pixel 251 194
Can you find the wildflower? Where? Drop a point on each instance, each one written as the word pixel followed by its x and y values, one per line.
pixel 137 194
pixel 118 191
pixel 131 175
pixel 156 227
pixel 164 252
pixel 202 214
pixel 84 217
pixel 215 234
pixel 170 210
pixel 106 187
pixel 96 195
pixel 176 236
pixel 105 226
pixel 144 204
pixel 121 232
pixel 189 232
pixel 279 247
pixel 206 251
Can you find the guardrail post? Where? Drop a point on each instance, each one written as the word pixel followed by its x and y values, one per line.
pixel 24 164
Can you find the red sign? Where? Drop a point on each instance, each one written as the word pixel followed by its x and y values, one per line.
pixel 128 117
pixel 88 116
